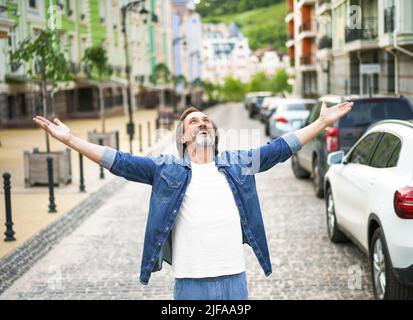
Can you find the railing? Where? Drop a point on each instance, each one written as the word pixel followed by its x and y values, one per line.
pixel 368 31
pixel 306 26
pixel 389 15
pixel 325 42
pixel 321 2
pixel 306 60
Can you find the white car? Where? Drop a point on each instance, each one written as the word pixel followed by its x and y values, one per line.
pixel 369 200
pixel 289 115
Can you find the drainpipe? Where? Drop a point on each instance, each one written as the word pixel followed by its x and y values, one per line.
pixel 360 76
pixel 396 70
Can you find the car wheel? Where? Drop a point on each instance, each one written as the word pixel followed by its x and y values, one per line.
pixel 385 284
pixel 317 180
pixel 334 233
pixel 298 171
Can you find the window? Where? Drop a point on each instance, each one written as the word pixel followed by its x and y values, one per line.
pixel 361 154
pixel 384 150
pixel 33 4
pixel 366 112
pixel 315 113
pixel 394 158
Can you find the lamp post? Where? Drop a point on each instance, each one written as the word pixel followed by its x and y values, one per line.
pixel 131 6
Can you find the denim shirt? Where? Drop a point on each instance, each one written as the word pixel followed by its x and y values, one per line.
pixel 170 176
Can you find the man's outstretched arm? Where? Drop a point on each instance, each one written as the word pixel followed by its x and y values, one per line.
pixel 328 116
pixel 279 150
pixel 62 133
pixel 130 167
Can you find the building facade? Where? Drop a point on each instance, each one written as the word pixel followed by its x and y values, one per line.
pixel 82 24
pixel 225 52
pixel 357 47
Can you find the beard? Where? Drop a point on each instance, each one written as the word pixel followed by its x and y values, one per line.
pixel 204 141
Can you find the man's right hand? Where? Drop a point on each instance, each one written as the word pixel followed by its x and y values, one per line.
pixel 57 130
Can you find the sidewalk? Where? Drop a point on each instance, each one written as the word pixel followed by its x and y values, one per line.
pixel 30 205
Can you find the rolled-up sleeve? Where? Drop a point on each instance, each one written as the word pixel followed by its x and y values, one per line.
pixel 133 168
pixel 275 151
pixel 108 157
pixel 292 141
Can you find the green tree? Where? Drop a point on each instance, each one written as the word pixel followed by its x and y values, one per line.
pixel 46 63
pixel 233 90
pixel 259 82
pixel 161 76
pixel 211 90
pixel 98 64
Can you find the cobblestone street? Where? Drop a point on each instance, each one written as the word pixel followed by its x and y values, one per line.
pixel 101 258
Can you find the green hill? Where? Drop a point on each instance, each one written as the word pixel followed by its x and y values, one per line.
pixel 264 27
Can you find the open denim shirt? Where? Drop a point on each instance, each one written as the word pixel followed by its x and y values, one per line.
pixel 170 176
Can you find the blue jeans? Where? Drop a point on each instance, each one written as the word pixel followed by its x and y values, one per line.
pixel 230 287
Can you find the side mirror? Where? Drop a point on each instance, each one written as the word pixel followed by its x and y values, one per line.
pixel 335 157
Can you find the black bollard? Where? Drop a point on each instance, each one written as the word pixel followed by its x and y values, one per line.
pixel 149 134
pixel 82 179
pixel 140 138
pixel 102 175
pixel 52 205
pixel 9 223
pixel 117 139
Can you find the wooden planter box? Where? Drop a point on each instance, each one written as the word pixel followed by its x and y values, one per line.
pixel 35 167
pixel 110 139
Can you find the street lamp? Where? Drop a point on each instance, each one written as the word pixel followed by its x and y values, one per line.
pixel 131 6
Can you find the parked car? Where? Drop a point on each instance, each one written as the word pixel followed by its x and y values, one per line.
pixel 369 200
pixel 289 115
pixel 311 160
pixel 255 104
pixel 248 99
pixel 265 106
pixel 272 107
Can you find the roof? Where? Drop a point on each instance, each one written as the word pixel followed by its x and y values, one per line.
pixel 298 100
pixel 407 123
pixel 339 98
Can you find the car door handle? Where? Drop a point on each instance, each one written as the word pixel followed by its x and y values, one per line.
pixel 372 181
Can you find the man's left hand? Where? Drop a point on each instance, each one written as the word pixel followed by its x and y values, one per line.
pixel 330 115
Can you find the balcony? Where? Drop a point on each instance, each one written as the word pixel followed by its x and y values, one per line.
pixel 306 60
pixel 307 30
pixel 325 42
pixel 368 31
pixel 290 40
pixel 305 3
pixel 290 6
pixel 290 11
pixel 323 7
pixel 364 38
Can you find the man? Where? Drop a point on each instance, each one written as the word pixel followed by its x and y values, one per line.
pixel 203 206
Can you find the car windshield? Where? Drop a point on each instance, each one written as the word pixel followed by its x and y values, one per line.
pixel 365 113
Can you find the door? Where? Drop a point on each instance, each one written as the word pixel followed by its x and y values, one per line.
pixel 352 185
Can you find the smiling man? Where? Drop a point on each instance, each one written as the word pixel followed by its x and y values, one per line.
pixel 203 205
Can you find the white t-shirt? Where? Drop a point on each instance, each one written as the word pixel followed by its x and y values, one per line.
pixel 207 235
